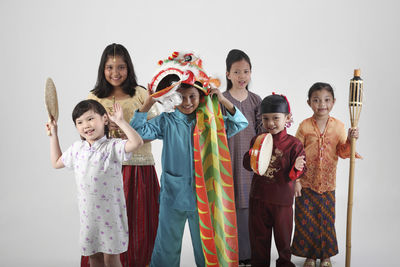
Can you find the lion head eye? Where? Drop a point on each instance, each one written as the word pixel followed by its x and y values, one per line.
pixel 188 58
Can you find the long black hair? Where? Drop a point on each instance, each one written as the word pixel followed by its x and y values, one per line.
pixel 103 88
pixel 235 55
pixel 87 105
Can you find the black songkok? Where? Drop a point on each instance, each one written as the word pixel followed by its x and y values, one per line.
pixel 275 104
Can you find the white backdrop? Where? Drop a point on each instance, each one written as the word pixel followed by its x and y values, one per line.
pixel 292 44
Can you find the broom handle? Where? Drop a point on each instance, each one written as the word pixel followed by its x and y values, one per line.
pixel 350 201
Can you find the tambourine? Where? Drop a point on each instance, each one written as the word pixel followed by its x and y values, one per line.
pixel 260 153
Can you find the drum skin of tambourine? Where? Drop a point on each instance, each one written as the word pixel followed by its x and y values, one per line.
pixel 260 153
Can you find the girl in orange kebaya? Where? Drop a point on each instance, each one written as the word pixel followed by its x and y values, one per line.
pixel 324 139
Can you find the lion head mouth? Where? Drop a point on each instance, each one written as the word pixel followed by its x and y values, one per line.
pixel 179 68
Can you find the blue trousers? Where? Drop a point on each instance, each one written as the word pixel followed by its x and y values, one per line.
pixel 168 244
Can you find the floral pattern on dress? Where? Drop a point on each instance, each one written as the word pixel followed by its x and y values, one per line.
pixel 101 200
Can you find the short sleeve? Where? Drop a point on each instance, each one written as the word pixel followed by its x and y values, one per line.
pixel 68 158
pixel 118 149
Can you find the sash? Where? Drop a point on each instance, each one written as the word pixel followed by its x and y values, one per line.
pixel 214 187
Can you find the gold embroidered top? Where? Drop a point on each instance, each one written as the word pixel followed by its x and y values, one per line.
pixel 322 152
pixel 143 155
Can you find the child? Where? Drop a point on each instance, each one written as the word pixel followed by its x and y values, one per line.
pixel 271 195
pixel 116 82
pixel 238 76
pixel 177 196
pixel 324 139
pixel 96 162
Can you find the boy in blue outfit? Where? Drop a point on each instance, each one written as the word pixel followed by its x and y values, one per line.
pixel 178 196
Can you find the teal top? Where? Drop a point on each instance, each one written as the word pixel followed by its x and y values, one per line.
pixel 176 131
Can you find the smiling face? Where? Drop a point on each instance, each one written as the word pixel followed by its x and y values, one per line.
pixel 275 122
pixel 239 74
pixel 321 102
pixel 91 126
pixel 115 71
pixel 190 100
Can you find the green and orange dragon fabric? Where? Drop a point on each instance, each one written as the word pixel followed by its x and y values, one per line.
pixel 213 170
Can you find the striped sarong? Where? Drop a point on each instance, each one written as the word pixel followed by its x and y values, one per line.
pixel 315 235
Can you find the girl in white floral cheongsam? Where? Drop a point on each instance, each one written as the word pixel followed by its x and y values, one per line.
pixel 96 161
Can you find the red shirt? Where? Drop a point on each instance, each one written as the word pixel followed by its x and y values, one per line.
pixel 277 185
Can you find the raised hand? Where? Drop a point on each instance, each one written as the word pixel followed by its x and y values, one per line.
pixel 51 127
pixel 223 100
pixel 218 93
pixel 118 113
pixel 148 103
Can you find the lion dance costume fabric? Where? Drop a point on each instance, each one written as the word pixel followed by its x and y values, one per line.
pixel 213 170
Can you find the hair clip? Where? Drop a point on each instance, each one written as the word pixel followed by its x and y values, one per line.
pixel 289 123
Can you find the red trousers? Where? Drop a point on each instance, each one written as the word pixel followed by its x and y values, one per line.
pixel 263 218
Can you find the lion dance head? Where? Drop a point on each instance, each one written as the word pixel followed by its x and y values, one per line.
pixel 179 68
